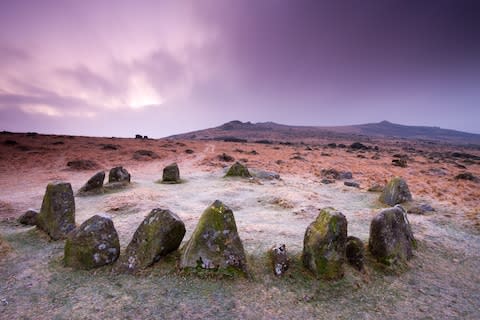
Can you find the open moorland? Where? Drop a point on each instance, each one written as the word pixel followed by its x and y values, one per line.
pixel 441 281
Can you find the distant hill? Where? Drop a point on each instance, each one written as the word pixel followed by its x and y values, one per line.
pixel 274 132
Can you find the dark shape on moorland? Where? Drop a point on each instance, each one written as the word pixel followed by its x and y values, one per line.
pixel 82 164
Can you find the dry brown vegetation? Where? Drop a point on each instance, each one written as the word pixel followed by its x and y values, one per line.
pixel 440 282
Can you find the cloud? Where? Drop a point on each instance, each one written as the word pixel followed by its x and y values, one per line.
pixel 48 103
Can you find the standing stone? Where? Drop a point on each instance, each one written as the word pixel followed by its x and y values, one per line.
pixel 324 244
pixel 94 244
pixel 278 255
pixel 396 192
pixel 94 184
pixel 118 174
pixel 29 218
pixel 171 174
pixel 391 238
pixel 215 243
pixel 160 233
pixel 57 215
pixel 355 252
pixel 238 170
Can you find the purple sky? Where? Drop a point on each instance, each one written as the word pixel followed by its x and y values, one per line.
pixel 116 68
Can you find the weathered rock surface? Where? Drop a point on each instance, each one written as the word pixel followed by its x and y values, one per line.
pixel 238 170
pixel 171 174
pixel 396 192
pixel 94 244
pixel 279 257
pixel 160 233
pixel 94 184
pixel 324 244
pixel 29 218
pixel 118 174
pixel 355 252
pixel 57 215
pixel 215 243
pixel 391 238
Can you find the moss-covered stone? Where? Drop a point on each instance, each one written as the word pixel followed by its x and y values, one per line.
pixel 324 244
pixel 396 192
pixel 391 239
pixel 160 233
pixel 238 170
pixel 57 215
pixel 171 174
pixel 215 243
pixel 94 185
pixel 94 244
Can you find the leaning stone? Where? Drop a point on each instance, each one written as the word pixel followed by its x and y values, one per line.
pixel 94 244
pixel 238 170
pixel 278 255
pixel 215 243
pixel 396 192
pixel 57 215
pixel 324 244
pixel 355 252
pixel 94 184
pixel 118 174
pixel 29 218
pixel 171 174
pixel 391 238
pixel 160 233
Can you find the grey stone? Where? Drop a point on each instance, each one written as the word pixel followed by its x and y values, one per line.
pixel 324 244
pixel 391 238
pixel 215 243
pixel 94 244
pixel 160 233
pixel 396 192
pixel 57 215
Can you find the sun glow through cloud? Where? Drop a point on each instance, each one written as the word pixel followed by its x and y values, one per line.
pixel 142 94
